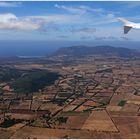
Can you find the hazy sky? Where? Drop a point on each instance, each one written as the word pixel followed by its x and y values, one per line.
pixel 67 20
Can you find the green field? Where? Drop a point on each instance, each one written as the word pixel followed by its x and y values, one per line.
pixel 122 103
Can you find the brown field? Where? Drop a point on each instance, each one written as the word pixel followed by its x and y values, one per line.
pixel 99 121
pixel 16 127
pixel 113 108
pixel 104 94
pixel 23 105
pixel 128 125
pixel 90 103
pixel 130 108
pixel 81 108
pixel 75 121
pixel 78 101
pixel 116 99
pixel 44 133
pixel 35 105
pixel 100 99
pixel 69 107
pixel 5 134
pixel 22 117
pixel 50 106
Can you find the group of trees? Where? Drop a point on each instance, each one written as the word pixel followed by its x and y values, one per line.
pixel 34 81
pixel 6 74
pixel 27 81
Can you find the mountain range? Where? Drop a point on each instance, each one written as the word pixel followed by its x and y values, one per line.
pixel 81 51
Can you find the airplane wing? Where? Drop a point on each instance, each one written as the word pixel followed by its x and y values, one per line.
pixel 127 25
pixel 127 29
pixel 123 20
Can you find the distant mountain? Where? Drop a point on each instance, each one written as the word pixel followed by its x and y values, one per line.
pixel 81 51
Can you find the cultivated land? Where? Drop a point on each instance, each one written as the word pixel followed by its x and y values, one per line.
pixel 93 97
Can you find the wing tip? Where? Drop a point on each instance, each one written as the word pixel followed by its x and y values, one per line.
pixel 127 29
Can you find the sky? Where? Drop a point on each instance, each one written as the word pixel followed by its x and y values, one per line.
pixel 68 20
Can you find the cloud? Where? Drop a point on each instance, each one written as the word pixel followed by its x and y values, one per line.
pixel 56 19
pixel 78 9
pixel 10 4
pixel 63 36
pixel 70 9
pixel 104 20
pixel 81 26
pixel 100 16
pixel 85 37
pixel 105 38
pixel 87 8
pixel 83 30
pixel 125 38
pixel 10 21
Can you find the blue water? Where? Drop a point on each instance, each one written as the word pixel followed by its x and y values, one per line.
pixel 43 48
pixel 26 48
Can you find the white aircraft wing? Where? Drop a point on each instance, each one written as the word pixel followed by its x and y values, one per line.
pixel 127 25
